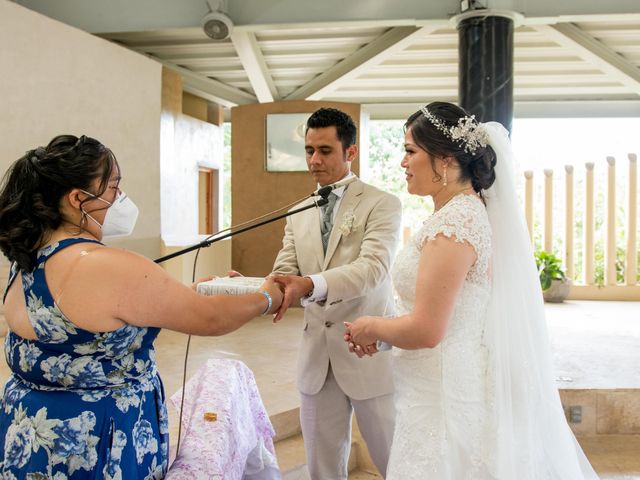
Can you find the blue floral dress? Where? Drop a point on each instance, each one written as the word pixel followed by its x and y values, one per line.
pixel 79 404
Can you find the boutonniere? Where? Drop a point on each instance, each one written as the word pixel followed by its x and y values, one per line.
pixel 346 227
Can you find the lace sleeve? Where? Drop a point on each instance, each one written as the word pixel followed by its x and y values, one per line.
pixel 465 220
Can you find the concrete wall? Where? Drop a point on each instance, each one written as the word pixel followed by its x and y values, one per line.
pixel 56 79
pixel 190 140
pixel 256 191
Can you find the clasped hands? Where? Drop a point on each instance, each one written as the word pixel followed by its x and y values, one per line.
pixel 359 338
pixel 284 289
pixel 289 290
pixel 294 287
pixel 274 289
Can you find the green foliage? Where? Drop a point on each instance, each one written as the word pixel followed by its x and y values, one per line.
pixel 383 170
pixel 549 268
pixel 600 265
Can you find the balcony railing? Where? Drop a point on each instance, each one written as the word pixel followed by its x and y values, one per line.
pixel 616 261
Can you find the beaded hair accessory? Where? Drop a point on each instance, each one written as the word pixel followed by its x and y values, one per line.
pixel 469 133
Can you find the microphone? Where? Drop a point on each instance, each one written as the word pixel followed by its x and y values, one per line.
pixel 326 190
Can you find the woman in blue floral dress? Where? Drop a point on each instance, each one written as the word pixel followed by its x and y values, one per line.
pixel 84 399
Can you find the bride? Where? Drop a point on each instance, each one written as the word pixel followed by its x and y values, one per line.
pixel 475 391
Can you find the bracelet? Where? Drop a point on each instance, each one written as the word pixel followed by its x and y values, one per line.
pixel 267 295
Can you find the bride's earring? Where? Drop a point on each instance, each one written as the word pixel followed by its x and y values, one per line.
pixel 444 177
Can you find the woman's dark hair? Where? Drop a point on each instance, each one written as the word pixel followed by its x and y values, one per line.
pixel 34 185
pixel 332 117
pixel 477 166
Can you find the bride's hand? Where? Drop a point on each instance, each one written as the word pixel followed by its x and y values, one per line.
pixel 358 337
pixel 360 330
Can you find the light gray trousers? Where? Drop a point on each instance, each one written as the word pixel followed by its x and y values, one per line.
pixel 326 428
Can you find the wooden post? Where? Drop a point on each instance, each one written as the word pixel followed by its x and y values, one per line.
pixel 632 246
pixel 548 210
pixel 589 227
pixel 610 245
pixel 568 225
pixel 528 201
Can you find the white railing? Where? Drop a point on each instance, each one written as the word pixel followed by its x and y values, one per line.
pixel 585 287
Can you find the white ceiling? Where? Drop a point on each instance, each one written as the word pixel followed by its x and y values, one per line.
pixel 572 58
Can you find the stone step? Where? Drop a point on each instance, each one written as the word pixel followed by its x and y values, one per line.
pixel 613 456
pixel 603 411
pixel 291 457
pixel 299 473
pixel 286 424
pixel 302 474
pixel 293 463
pixel 363 475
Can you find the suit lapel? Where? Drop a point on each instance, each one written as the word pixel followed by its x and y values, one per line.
pixel 349 201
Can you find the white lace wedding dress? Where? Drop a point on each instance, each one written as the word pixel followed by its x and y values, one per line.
pixel 483 404
pixel 441 393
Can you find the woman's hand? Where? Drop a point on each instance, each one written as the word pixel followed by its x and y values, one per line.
pixel 273 289
pixel 359 337
pixel 360 350
pixel 360 330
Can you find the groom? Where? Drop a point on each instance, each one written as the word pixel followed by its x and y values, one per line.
pixel 336 263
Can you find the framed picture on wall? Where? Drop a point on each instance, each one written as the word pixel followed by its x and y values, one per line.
pixel 284 149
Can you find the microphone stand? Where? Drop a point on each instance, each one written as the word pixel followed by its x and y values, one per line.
pixel 323 193
pixel 208 242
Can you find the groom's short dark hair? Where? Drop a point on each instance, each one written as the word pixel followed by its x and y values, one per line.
pixel 332 117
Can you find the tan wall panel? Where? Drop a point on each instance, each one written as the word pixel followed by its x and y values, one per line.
pixel 254 191
pixel 195 106
pixel 171 91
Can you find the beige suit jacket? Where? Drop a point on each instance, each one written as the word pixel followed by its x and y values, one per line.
pixel 357 270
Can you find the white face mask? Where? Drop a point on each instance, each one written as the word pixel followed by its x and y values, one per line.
pixel 120 218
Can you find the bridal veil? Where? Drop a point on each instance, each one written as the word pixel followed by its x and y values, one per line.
pixel 532 438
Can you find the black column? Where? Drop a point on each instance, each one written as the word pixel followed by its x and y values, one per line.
pixel 486 67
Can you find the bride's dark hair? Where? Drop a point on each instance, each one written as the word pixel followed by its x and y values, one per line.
pixel 478 167
pixel 34 186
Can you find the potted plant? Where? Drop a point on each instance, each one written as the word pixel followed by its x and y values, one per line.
pixel 555 285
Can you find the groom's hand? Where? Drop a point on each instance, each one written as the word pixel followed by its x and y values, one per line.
pixel 295 287
pixel 359 350
pixel 360 332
